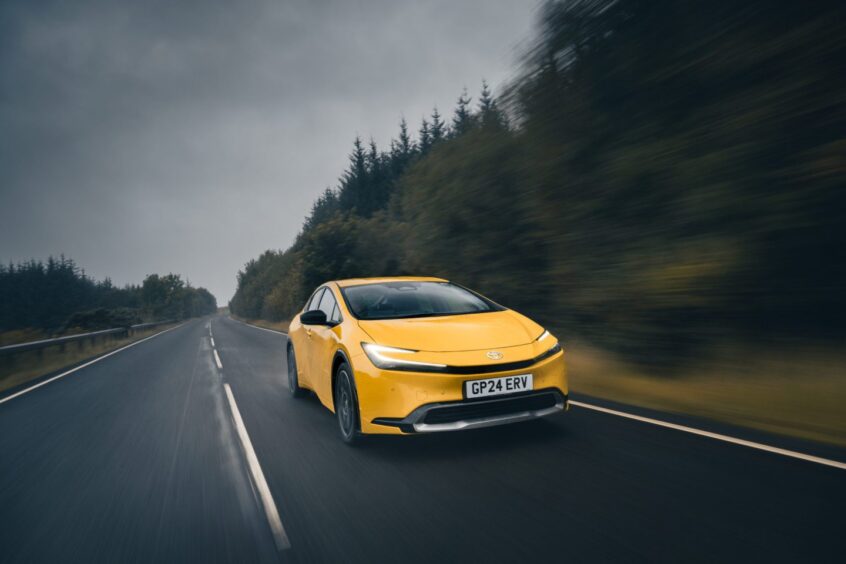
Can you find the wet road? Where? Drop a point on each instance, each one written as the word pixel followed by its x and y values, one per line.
pixel 138 458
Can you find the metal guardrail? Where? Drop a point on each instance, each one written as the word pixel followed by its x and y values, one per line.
pixel 44 343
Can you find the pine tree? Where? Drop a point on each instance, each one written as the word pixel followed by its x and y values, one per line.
pixel 400 156
pixel 486 101
pixel 425 136
pixel 489 112
pixel 437 127
pixel 372 159
pixel 354 189
pixel 376 179
pixel 323 209
pixel 406 145
pixel 463 119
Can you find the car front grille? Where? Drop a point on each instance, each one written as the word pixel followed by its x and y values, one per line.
pixel 470 410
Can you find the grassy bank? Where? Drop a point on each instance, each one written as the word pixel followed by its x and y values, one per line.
pixel 26 366
pixel 797 393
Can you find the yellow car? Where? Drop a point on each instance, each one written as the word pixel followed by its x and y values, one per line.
pixel 413 355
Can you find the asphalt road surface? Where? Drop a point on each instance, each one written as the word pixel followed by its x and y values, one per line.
pixel 140 458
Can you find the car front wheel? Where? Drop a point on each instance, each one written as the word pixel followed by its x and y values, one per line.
pixel 346 404
pixel 293 380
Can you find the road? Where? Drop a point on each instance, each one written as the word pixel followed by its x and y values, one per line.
pixel 138 458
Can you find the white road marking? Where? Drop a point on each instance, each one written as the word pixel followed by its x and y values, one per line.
pixel 257 327
pixel 217 360
pixel 81 366
pixel 279 534
pixel 716 436
pixel 212 341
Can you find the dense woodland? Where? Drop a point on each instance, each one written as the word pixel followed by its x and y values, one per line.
pixel 58 295
pixel 658 177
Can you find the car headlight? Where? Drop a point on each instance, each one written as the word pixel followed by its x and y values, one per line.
pixel 386 358
pixel 554 348
pixel 552 351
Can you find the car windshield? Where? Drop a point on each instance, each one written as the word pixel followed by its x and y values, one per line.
pixel 395 300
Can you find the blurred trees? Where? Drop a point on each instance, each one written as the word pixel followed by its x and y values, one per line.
pixel 58 294
pixel 658 176
pixel 168 297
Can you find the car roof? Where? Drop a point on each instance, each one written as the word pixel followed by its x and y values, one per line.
pixel 359 281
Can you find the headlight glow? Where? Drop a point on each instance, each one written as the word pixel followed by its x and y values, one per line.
pixel 553 350
pixel 380 356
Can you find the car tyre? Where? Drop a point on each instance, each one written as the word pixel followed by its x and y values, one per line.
pixel 346 405
pixel 293 379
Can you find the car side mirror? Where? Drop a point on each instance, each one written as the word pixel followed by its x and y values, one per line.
pixel 313 317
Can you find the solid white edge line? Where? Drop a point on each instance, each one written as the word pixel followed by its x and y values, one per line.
pixel 89 363
pixel 279 534
pixel 217 360
pixel 716 436
pixel 257 327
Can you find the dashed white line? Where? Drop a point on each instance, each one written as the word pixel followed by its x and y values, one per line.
pixel 217 360
pixel 81 366
pixel 716 436
pixel 212 341
pixel 270 511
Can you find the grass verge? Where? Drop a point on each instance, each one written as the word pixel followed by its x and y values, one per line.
pixel 23 367
pixel 798 393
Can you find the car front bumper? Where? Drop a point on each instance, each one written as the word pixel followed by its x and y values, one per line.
pixel 395 402
pixel 474 414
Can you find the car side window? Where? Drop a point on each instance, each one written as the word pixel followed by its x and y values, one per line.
pixel 315 299
pixel 336 315
pixel 327 303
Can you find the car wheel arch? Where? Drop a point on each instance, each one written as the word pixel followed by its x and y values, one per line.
pixel 340 356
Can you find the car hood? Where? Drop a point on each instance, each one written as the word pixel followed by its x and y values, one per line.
pixel 490 330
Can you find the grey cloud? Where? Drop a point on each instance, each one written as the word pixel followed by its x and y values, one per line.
pixel 143 137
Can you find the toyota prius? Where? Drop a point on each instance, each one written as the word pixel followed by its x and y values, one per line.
pixel 420 355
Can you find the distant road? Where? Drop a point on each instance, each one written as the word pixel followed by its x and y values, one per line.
pixel 179 450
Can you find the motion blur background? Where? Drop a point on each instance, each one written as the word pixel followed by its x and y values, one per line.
pixel 659 182
pixel 662 182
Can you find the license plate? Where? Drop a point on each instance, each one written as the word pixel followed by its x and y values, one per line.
pixel 497 386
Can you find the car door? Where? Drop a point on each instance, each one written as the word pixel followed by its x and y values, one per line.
pixel 302 340
pixel 323 343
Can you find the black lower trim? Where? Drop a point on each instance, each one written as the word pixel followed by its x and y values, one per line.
pixel 394 422
pixel 462 410
pixel 480 410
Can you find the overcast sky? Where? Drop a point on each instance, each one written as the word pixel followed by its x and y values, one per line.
pixel 188 137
